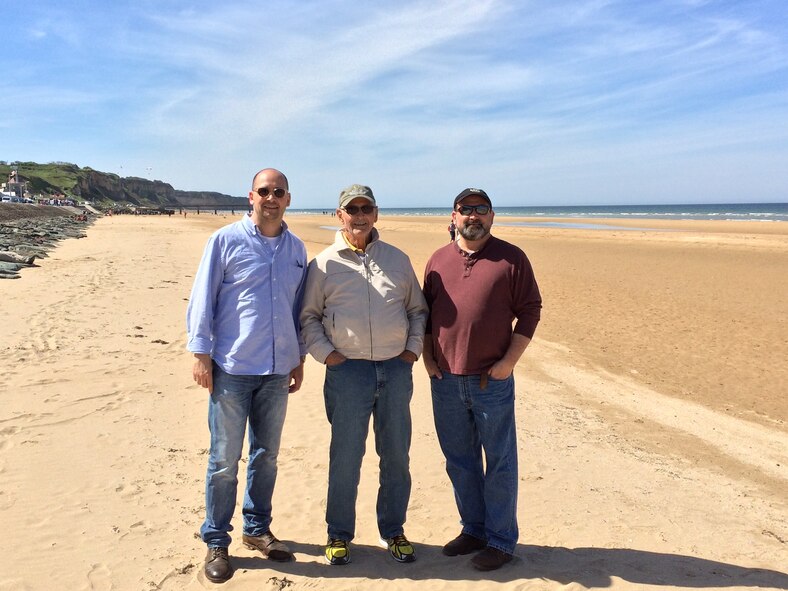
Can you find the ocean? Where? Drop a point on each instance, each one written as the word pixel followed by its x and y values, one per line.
pixel 761 212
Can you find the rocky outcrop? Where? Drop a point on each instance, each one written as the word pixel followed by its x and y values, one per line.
pixel 23 239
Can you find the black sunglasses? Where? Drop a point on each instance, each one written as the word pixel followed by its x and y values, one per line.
pixel 469 209
pixel 278 192
pixel 354 209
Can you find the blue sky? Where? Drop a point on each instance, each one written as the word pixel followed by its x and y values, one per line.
pixel 539 102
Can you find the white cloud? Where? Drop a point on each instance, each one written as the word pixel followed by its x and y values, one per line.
pixel 265 81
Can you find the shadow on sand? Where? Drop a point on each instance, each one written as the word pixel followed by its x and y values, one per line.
pixel 590 567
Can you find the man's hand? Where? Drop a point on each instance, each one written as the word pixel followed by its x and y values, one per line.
pixel 432 367
pixel 408 356
pixel 296 378
pixel 504 367
pixel 202 372
pixel 501 369
pixel 335 358
pixel 428 356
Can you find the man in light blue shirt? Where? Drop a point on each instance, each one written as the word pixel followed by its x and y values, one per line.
pixel 242 325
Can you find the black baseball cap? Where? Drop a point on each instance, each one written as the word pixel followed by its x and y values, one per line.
pixel 471 191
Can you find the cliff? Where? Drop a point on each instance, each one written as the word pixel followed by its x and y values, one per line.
pixel 106 189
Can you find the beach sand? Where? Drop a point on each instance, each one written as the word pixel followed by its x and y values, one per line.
pixel 651 419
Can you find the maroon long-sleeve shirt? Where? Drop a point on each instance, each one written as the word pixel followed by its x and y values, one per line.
pixel 473 301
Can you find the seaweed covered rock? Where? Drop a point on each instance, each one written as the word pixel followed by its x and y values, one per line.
pixel 30 232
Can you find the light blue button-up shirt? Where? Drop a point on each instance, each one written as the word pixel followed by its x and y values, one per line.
pixel 245 301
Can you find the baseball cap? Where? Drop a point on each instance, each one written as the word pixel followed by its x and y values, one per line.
pixel 354 191
pixel 471 191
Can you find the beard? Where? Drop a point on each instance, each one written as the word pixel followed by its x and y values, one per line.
pixel 475 231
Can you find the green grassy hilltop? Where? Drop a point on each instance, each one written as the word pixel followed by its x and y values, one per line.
pixel 107 189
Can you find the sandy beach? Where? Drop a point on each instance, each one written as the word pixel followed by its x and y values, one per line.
pixel 652 419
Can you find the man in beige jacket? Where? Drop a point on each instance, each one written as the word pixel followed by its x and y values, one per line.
pixel 364 316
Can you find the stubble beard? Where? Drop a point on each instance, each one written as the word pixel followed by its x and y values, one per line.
pixel 270 214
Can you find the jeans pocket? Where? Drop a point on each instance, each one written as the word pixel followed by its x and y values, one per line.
pixel 492 379
pixel 337 366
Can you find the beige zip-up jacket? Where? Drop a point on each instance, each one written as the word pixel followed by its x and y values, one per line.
pixel 367 306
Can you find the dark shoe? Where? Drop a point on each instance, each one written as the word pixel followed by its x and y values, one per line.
pixel 463 544
pixel 217 565
pixel 490 559
pixel 269 546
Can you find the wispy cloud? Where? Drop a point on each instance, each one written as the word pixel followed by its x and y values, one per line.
pixel 272 75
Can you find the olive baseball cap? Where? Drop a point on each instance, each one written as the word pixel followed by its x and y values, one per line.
pixel 354 191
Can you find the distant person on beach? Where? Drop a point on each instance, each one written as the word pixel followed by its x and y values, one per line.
pixel 364 316
pixel 242 324
pixel 475 288
pixel 452 231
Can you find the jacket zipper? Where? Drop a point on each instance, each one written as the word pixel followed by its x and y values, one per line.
pixel 369 301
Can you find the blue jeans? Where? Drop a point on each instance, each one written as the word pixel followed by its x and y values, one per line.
pixel 354 390
pixel 262 401
pixel 467 421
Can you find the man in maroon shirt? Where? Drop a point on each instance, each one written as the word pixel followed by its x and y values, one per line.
pixel 476 288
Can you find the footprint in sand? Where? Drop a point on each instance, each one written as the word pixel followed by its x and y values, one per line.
pixel 14 585
pixel 6 500
pixel 135 529
pixel 13 430
pixel 44 522
pixel 99 578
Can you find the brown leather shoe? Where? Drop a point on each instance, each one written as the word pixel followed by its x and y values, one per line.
pixel 463 544
pixel 217 565
pixel 269 546
pixel 490 559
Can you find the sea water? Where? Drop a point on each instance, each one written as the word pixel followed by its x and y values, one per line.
pixel 758 212
pixel 764 212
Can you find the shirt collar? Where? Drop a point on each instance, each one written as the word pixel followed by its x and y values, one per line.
pixel 341 242
pixel 475 253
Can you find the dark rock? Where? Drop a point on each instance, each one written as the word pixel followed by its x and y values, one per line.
pixel 29 231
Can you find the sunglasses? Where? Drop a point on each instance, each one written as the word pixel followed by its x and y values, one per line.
pixel 278 192
pixel 469 209
pixel 354 209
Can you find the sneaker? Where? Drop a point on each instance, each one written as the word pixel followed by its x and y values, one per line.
pixel 337 552
pixel 400 548
pixel 217 565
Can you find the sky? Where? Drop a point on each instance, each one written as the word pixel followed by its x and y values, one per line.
pixel 544 102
